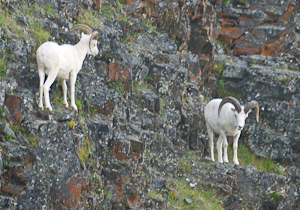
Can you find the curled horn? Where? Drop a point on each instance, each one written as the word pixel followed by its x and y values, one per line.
pixel 231 100
pixel 95 35
pixel 250 105
pixel 87 30
pixel 83 27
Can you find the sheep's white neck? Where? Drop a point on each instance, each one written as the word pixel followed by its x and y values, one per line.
pixel 82 47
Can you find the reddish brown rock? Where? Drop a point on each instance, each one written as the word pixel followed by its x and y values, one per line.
pixel 96 4
pixel 70 199
pixel 13 104
pixel 12 190
pixel 120 73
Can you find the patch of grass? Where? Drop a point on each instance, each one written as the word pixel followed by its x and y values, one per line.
pixel 8 137
pixel 2 110
pixel 203 198
pixel 247 157
pixel 117 87
pixel 58 97
pixel 93 109
pixel 5 163
pixel 39 34
pixel 241 2
pixel 218 67
pixel 48 9
pixel 155 194
pixel 124 39
pixel 186 166
pixel 190 154
pixel 218 42
pixel 2 66
pixel 32 140
pixel 282 80
pixel 140 85
pixel 224 92
pixel 89 17
pixel 10 25
pixel 275 196
pixel 107 11
pixel 78 103
pixel 107 193
pixel 84 151
pixel 71 123
pixel 225 2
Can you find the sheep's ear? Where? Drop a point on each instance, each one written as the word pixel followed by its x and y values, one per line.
pixel 82 34
pixel 233 109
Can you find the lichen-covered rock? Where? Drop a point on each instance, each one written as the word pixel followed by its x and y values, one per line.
pixel 140 122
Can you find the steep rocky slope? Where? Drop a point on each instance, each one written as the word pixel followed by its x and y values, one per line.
pixel 139 139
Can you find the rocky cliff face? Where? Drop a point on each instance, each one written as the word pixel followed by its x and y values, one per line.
pixel 139 138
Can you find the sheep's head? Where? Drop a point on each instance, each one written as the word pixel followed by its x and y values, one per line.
pixel 93 49
pixel 240 112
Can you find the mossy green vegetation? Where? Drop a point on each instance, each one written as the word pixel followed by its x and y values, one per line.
pixel 2 66
pixel 93 109
pixel 275 195
pixel 14 29
pixel 9 25
pixel 2 110
pixel 218 67
pixel 227 91
pixel 282 80
pixel 225 2
pixel 186 166
pixel 32 141
pixel 89 17
pixel 84 151
pixel 202 198
pixel 247 157
pixel 39 34
pixel 71 123
pixel 140 85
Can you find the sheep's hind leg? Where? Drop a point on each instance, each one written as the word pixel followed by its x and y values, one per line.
pixel 219 148
pixel 42 80
pixel 225 157
pixel 50 79
pixel 211 138
pixel 72 90
pixel 65 89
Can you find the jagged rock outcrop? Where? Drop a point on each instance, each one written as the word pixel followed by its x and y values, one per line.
pixel 140 126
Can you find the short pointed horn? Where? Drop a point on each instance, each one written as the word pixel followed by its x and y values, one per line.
pixel 231 100
pixel 250 105
pixel 83 27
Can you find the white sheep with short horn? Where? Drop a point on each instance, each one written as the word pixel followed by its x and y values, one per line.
pixel 227 118
pixel 64 62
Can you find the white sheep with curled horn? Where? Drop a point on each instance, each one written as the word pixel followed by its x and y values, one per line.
pixel 64 62
pixel 227 118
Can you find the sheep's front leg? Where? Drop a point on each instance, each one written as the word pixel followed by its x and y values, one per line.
pixel 73 77
pixel 222 138
pixel 235 148
pixel 211 138
pixel 65 89
pixel 219 148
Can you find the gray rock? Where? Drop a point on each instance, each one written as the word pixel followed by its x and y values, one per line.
pixel 6 130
